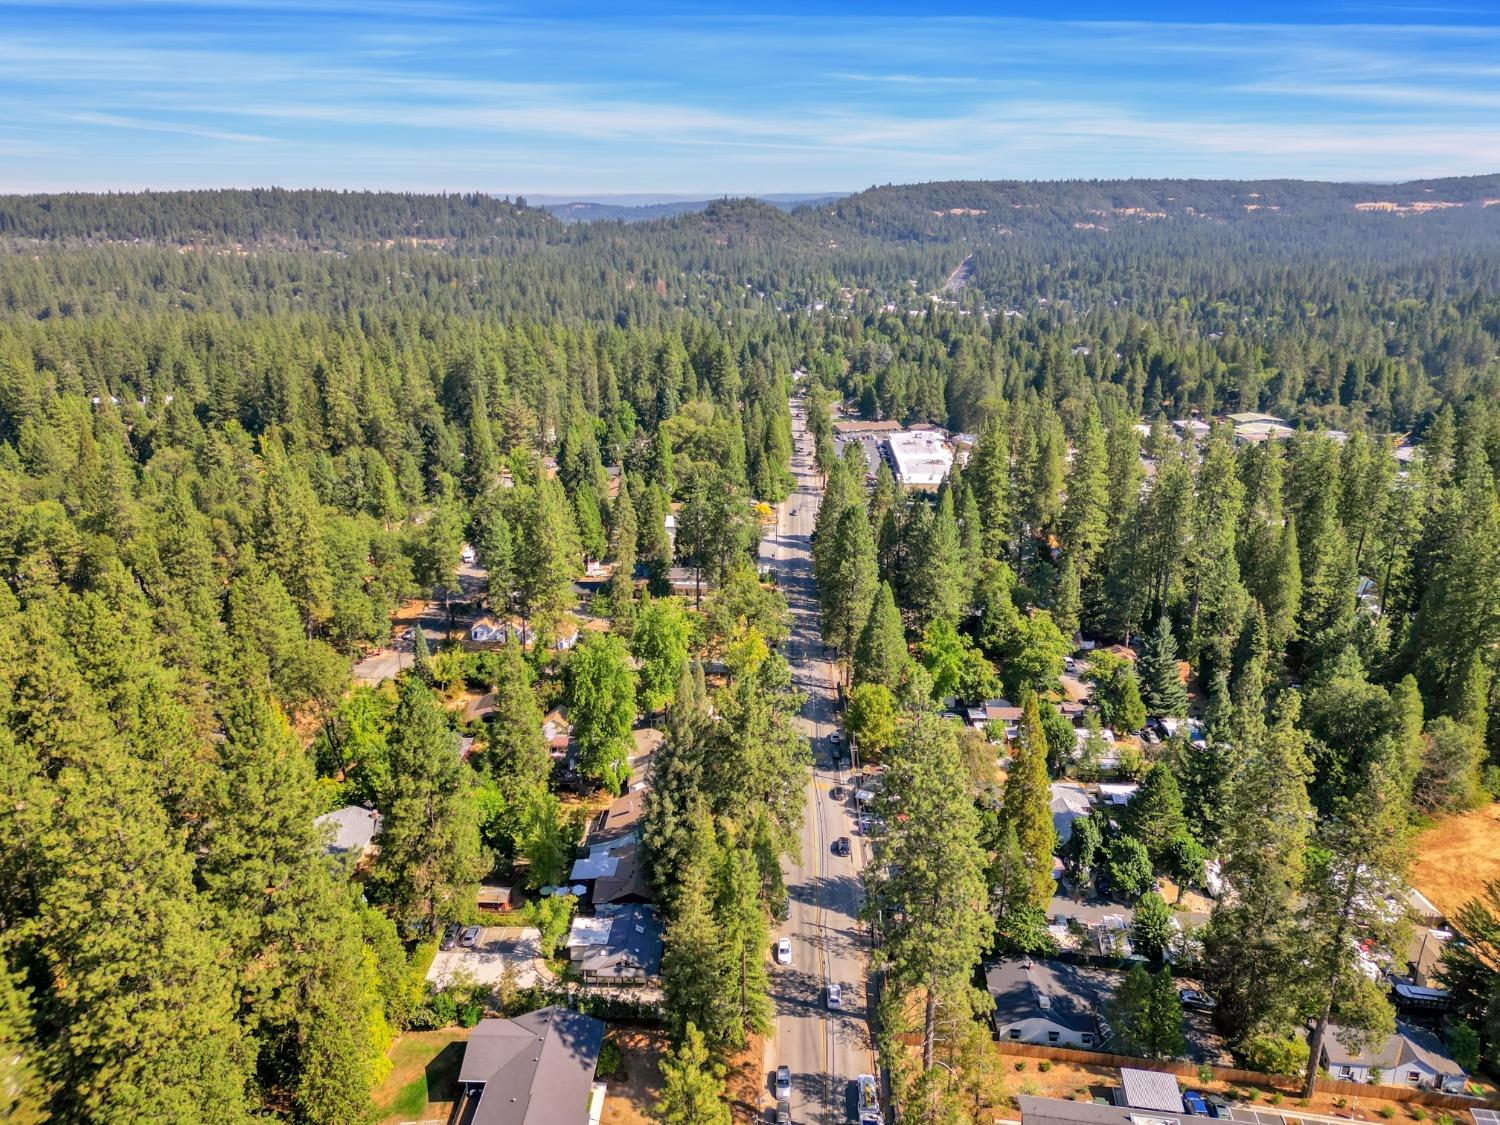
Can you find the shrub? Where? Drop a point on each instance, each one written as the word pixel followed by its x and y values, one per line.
pixel 470 1013
pixel 444 1009
pixel 1275 1097
pixel 1445 1119
pixel 1417 1112
pixel 1029 1088
pixel 1044 1066
pixel 1275 1054
pixel 1020 1066
pixel 611 1061
pixel 1205 1074
pixel 1340 1102
pixel 1387 1111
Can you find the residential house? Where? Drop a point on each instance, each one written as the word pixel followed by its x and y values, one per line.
pixel 1069 802
pixel 1048 1002
pixel 1410 1056
pixel 619 945
pixel 352 831
pixel 620 820
pixel 488 631
pixel 537 1069
pixel 626 884
pixel 1001 711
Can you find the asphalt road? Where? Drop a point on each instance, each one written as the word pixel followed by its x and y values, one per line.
pixel 825 1049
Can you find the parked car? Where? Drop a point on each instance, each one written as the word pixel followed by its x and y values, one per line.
pixel 784 951
pixel 835 737
pixel 838 793
pixel 450 935
pixel 783 1082
pixel 1198 1001
pixel 470 937
pixel 1193 1101
pixel 841 846
pixel 1069 664
pixel 863 823
pixel 835 996
pixel 1150 737
pixel 784 1112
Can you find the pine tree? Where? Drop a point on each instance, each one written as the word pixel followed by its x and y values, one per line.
pixel 1085 517
pixel 1154 814
pixel 745 935
pixel 847 586
pixel 291 533
pixel 23 1093
pixel 547 553
pixel 692 1084
pixel 695 968
pixel 1162 688
pixel 989 477
pixel 881 657
pixel 927 884
pixel 1026 805
pixel 935 571
pixel 515 751
pixel 430 858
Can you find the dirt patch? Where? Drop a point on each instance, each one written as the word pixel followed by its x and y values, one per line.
pixel 745 1082
pixel 1455 858
pixel 628 1101
pixel 422 1082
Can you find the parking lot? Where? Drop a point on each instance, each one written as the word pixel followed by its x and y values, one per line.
pixel 498 946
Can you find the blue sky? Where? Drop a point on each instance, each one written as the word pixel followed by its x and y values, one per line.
pixel 585 99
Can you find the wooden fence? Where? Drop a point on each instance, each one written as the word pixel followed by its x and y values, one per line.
pixel 1238 1077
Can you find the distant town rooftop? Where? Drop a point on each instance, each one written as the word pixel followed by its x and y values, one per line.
pixel 919 457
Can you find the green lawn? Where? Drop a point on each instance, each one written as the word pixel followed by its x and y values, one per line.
pixel 424 1067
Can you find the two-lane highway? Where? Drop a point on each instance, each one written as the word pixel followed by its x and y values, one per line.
pixel 826 1049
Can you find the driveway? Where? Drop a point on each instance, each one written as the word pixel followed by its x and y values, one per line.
pixel 499 946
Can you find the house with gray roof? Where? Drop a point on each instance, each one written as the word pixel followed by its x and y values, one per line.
pixel 620 945
pixel 1049 1003
pixel 352 830
pixel 537 1069
pixel 1410 1056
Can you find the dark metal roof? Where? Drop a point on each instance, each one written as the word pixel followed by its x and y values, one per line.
pixel 536 1069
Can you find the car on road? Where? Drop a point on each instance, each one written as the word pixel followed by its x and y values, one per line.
pixel 838 793
pixel 450 936
pixel 867 1099
pixel 783 1082
pixel 836 996
pixel 784 1112
pixel 1193 1102
pixel 470 937
pixel 784 951
pixel 1069 664
pixel 841 846
pixel 1196 1000
pixel 835 737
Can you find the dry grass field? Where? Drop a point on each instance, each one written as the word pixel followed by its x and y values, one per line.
pixel 1455 858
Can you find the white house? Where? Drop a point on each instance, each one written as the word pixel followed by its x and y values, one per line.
pixel 1411 1056
pixel 488 631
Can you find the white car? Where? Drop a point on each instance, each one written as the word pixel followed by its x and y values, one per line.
pixel 835 996
pixel 784 951
pixel 835 737
pixel 783 1082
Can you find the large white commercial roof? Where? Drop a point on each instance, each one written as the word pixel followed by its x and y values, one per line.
pixel 920 457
